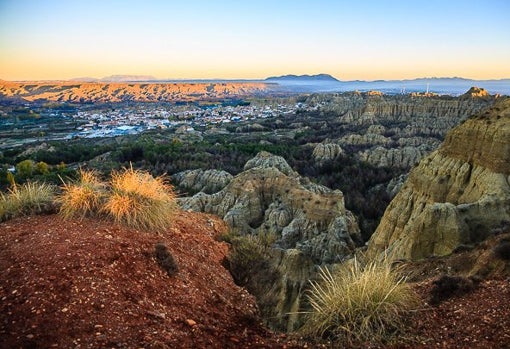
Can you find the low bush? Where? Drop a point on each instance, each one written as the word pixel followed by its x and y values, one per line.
pixel 449 286
pixel 28 198
pixel 248 260
pixel 266 239
pixel 229 236
pixel 502 250
pixel 246 257
pixel 83 197
pixel 139 200
pixel 165 259
pixel 359 303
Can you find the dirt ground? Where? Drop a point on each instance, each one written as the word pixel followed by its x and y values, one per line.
pixel 94 284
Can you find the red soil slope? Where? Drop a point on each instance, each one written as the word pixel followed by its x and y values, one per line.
pixel 92 284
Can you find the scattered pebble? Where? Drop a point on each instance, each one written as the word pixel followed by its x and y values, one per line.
pixel 190 322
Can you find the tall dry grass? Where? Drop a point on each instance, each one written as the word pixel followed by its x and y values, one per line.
pixel 28 198
pixel 139 200
pixel 359 302
pixel 83 197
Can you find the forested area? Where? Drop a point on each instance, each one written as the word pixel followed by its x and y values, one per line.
pixel 164 153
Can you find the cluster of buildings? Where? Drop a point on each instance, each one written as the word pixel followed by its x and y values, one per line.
pixel 137 118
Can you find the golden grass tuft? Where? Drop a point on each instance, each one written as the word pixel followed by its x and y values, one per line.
pixel 139 200
pixel 359 303
pixel 83 197
pixel 28 198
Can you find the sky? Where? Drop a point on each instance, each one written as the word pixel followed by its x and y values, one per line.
pixel 193 39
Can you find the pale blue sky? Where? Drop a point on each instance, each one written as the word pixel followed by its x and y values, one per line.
pixel 61 39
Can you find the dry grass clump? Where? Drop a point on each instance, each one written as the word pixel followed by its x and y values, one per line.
pixel 83 197
pixel 132 197
pixel 139 200
pixel 359 303
pixel 28 198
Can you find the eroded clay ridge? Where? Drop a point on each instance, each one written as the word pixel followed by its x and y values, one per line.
pixel 458 195
pixel 483 140
pixel 72 91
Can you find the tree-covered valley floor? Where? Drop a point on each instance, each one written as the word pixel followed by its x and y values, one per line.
pixel 169 152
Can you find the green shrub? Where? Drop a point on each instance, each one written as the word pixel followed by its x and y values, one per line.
pixel 229 237
pixel 25 168
pixel 3 207
pixel 359 303
pixel 139 200
pixel 266 239
pixel 246 257
pixel 28 198
pixel 249 260
pixel 42 168
pixel 83 197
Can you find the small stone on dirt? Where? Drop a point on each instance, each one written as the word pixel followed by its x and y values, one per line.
pixel 190 322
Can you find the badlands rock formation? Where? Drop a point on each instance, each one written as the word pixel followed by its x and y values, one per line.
pixel 398 131
pixel 269 197
pixel 326 151
pixel 476 92
pixel 458 195
pixel 363 109
pixel 405 157
pixel 207 181
pixel 310 222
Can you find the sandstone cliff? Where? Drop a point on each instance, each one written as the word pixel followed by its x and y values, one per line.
pixel 405 157
pixel 458 195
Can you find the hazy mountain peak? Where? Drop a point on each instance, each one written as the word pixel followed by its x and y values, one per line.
pixel 292 77
pixel 127 78
pixel 84 79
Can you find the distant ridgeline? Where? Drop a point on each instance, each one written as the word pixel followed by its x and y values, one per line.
pixel 449 86
pixel 146 89
pixel 86 92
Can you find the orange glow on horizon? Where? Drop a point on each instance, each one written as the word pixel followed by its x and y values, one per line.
pixel 57 70
pixel 369 40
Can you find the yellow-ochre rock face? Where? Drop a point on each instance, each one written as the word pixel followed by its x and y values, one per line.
pixel 459 194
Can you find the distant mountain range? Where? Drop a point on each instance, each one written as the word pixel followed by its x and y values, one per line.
pixel 441 85
pixel 451 86
pixel 326 83
pixel 291 77
pixel 118 78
